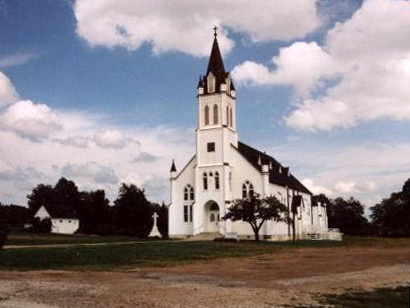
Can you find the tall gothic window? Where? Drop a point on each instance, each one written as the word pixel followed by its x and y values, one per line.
pixel 227 115
pixel 215 114
pixel 211 83
pixel 216 180
pixel 247 190
pixel 189 197
pixel 206 115
pixel 205 181
pixel 231 117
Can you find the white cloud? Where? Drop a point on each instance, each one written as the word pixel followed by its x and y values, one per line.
pixel 8 93
pixel 301 65
pixel 185 25
pixel 362 70
pixel 145 157
pixel 30 120
pixel 111 139
pixel 91 170
pixel 316 189
pixel 351 187
pixel 16 59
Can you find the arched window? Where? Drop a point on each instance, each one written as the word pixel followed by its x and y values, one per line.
pixel 227 115
pixel 211 83
pixel 247 190
pixel 206 115
pixel 186 193
pixel 216 180
pixel 189 197
pixel 244 192
pixel 189 194
pixel 215 114
pixel 231 117
pixel 205 179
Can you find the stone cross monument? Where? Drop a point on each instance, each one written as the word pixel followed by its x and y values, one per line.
pixel 154 231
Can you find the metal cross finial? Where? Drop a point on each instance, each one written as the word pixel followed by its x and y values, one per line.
pixel 215 31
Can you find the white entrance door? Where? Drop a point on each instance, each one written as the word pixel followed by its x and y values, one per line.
pixel 213 221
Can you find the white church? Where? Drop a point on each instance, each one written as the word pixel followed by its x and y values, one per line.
pixel 225 169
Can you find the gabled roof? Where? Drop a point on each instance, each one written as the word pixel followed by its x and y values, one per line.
pixel 58 211
pixel 277 174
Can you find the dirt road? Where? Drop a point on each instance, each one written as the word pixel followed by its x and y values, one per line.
pixel 270 280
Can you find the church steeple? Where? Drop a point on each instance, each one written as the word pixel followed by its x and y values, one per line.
pixel 216 79
pixel 216 64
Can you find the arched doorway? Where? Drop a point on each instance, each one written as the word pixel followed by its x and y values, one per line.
pixel 212 217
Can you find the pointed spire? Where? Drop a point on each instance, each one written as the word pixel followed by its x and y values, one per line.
pixel 216 65
pixel 173 168
pixel 200 82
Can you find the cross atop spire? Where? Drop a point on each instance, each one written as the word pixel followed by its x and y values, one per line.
pixel 215 31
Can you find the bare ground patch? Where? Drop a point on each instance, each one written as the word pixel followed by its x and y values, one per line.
pixel 270 280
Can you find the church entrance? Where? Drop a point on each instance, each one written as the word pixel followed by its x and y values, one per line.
pixel 212 217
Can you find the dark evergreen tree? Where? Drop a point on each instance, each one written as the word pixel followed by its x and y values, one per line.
pixel 40 195
pixel 95 213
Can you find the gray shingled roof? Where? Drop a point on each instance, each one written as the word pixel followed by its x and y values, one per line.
pixel 278 174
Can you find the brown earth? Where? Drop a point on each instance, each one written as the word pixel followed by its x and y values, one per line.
pixel 270 280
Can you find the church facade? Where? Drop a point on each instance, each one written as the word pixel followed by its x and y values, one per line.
pixel 225 169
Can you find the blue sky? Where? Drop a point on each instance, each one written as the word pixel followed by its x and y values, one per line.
pixel 104 91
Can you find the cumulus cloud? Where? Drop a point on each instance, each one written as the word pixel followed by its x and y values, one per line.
pixel 99 173
pixel 363 70
pixel 316 189
pixel 351 187
pixel 145 157
pixel 30 120
pixel 8 93
pixel 112 138
pixel 185 25
pixel 300 65
pixel 75 141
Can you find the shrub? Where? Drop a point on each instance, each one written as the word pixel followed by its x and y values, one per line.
pixel 3 236
pixel 41 225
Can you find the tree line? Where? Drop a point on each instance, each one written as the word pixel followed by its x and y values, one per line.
pixel 131 213
pixel 390 217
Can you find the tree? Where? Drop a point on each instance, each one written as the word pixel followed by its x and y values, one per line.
pixel 41 225
pixel 391 217
pixel 133 211
pixel 13 216
pixel 95 213
pixel 256 211
pixel 3 236
pixel 347 215
pixel 40 195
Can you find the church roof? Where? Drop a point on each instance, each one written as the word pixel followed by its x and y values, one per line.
pixel 216 64
pixel 58 211
pixel 277 173
pixel 217 68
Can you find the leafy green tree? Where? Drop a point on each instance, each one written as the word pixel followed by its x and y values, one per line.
pixel 133 211
pixel 256 211
pixel 3 236
pixel 41 225
pixel 39 196
pixel 347 215
pixel 95 213
pixel 13 216
pixel 391 217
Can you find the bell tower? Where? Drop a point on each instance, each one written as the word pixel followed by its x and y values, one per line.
pixel 216 129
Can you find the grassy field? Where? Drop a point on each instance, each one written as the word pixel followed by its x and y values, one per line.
pixel 27 239
pixel 150 253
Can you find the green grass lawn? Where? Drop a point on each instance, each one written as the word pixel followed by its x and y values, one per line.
pixel 28 239
pixel 149 253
